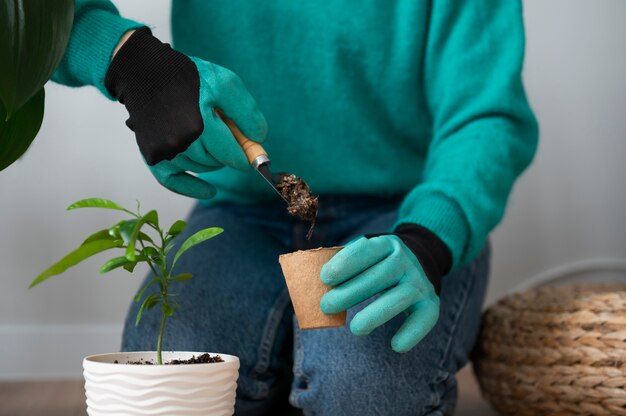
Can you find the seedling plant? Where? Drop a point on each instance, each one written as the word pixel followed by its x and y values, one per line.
pixel 143 241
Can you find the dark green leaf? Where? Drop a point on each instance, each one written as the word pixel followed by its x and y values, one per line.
pixel 149 303
pixel 76 257
pixel 114 264
pixel 33 37
pixel 145 237
pixel 97 203
pixel 168 310
pixel 150 252
pixel 195 239
pixel 100 235
pixel 17 134
pixel 130 266
pixel 176 228
pixel 152 217
pixel 183 277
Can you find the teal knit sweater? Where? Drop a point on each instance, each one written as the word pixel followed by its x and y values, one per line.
pixel 368 97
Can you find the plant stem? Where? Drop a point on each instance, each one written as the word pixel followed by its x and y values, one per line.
pixel 160 340
pixel 164 289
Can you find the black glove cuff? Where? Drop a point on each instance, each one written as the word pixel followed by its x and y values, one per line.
pixel 433 254
pixel 143 67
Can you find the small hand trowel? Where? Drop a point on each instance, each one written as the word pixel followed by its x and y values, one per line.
pixel 292 189
pixel 257 156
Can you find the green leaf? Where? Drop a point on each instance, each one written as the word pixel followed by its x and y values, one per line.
pixel 176 228
pixel 114 264
pixel 183 277
pixel 168 310
pixel 169 248
pixel 152 217
pixel 97 203
pixel 196 239
pixel 75 257
pixel 167 242
pixel 144 237
pixel 130 266
pixel 126 230
pixel 18 133
pixel 33 38
pixel 149 303
pixel 139 294
pixel 130 248
pixel 150 252
pixel 100 235
pixel 114 231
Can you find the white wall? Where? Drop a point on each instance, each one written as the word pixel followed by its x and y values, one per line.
pixel 570 205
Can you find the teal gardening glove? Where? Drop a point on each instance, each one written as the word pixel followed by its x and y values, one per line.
pixel 405 268
pixel 170 99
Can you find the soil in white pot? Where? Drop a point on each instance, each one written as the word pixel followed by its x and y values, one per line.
pixel 200 359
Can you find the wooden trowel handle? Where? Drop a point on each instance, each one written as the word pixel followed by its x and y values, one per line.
pixel 250 148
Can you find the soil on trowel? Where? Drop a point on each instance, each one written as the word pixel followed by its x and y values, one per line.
pixel 200 359
pixel 300 201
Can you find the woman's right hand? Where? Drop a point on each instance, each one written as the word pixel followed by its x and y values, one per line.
pixel 171 99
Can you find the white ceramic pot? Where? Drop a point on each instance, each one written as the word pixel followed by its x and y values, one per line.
pixel 167 390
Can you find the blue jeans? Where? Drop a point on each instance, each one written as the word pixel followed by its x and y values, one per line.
pixel 237 303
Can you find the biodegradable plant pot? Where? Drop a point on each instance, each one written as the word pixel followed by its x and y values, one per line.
pixel 186 389
pixel 302 274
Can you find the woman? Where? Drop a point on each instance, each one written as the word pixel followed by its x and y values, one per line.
pixel 408 118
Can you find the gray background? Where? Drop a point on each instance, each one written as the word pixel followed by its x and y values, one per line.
pixel 570 205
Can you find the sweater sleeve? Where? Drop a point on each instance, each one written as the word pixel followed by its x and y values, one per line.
pixel 97 30
pixel 484 133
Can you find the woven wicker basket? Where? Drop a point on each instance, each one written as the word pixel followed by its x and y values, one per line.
pixel 555 350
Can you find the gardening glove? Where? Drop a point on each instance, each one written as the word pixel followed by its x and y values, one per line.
pixel 405 268
pixel 170 99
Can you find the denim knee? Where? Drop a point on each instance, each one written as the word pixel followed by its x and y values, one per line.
pixel 372 388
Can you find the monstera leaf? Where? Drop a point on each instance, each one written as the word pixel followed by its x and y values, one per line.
pixel 18 132
pixel 33 38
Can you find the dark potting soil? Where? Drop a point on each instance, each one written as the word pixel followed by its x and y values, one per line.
pixel 200 359
pixel 300 202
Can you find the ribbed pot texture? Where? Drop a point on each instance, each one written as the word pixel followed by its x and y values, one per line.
pixel 163 390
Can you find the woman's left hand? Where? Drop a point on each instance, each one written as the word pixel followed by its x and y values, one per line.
pixel 382 266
